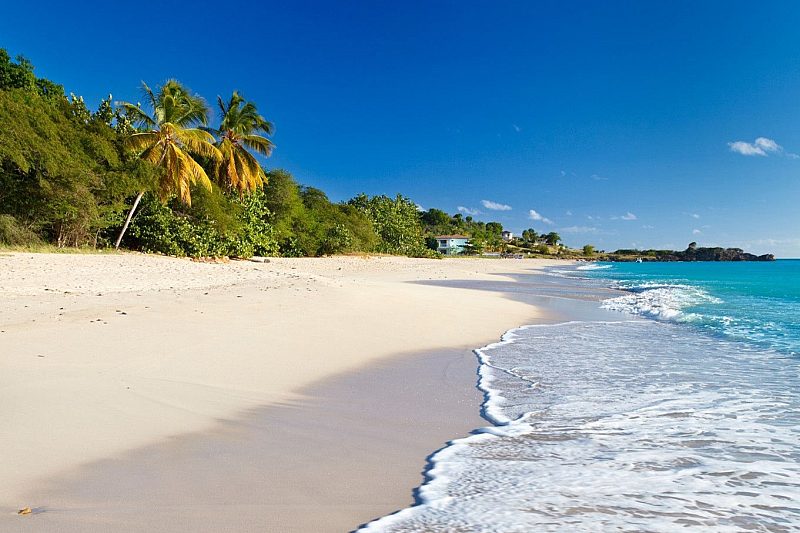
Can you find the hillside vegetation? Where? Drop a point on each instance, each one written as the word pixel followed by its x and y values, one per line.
pixel 171 177
pixel 71 176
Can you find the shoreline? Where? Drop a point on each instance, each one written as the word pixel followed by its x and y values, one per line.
pixel 318 463
pixel 586 406
pixel 209 390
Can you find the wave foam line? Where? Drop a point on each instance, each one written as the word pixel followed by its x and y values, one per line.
pixel 442 466
pixel 660 301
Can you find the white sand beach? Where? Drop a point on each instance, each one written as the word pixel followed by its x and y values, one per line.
pixel 104 355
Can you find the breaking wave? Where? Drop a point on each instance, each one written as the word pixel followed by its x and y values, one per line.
pixel 633 425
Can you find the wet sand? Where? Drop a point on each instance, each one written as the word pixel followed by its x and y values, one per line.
pixel 350 449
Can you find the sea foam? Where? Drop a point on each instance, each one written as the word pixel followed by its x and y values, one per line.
pixel 620 426
pixel 593 266
pixel 660 301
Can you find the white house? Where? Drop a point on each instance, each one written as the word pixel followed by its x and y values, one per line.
pixel 507 235
pixel 451 244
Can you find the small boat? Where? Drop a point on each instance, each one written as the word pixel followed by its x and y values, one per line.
pixel 638 259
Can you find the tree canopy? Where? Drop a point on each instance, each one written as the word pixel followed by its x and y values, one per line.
pixel 168 138
pixel 63 176
pixel 241 129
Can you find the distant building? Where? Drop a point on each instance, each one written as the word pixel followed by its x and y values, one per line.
pixel 507 235
pixel 451 244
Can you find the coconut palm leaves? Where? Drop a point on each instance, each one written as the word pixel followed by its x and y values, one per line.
pixel 170 147
pixel 240 132
pixel 169 137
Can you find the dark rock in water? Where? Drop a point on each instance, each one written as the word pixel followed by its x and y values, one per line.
pixel 722 254
pixel 692 253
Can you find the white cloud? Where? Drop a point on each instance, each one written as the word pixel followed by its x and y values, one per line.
pixel 762 146
pixel 696 232
pixel 533 215
pixel 563 173
pixel 768 145
pixel 516 128
pixel 495 206
pixel 579 229
pixel 648 226
pixel 694 215
pixel 628 216
pixel 468 211
pixel 568 213
pixel 420 208
pixel 745 148
pixel 597 177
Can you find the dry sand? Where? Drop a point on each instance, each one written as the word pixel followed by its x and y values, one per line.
pixel 109 356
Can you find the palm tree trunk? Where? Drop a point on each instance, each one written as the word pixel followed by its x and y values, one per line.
pixel 128 220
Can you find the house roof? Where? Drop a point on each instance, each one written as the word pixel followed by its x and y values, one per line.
pixel 451 237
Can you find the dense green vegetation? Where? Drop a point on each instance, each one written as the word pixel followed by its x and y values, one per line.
pixel 162 178
pixel 64 172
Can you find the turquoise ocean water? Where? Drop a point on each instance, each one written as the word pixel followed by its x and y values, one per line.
pixel 749 301
pixel 678 409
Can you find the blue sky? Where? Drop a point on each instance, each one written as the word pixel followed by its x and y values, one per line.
pixel 616 123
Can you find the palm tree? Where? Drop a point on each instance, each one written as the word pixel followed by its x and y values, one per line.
pixel 168 137
pixel 239 131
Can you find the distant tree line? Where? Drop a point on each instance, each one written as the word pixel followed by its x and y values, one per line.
pixel 485 236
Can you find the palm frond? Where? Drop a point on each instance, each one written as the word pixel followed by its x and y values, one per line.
pixel 155 154
pixel 170 182
pixel 175 139
pixel 192 113
pixel 232 177
pixel 260 144
pixel 182 172
pixel 137 115
pixel 211 131
pixel 248 170
pixel 138 142
pixel 221 105
pixel 220 165
pixel 242 117
pixel 198 142
pixel 149 95
pixel 256 175
pixel 196 134
pixel 196 171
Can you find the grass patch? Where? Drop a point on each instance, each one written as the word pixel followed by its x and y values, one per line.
pixel 43 248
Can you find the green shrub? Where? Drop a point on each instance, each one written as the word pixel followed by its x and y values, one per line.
pixel 397 223
pixel 255 236
pixel 337 239
pixel 13 234
pixel 217 225
pixel 63 178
